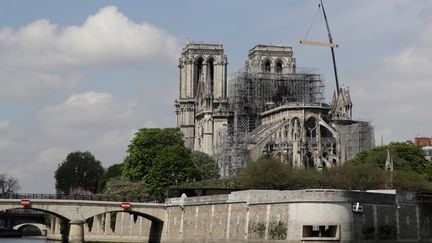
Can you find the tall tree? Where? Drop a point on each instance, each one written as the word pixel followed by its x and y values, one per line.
pixel 206 165
pixel 159 158
pixel 113 171
pixel 80 170
pixel 8 184
pixel 172 165
pixel 147 144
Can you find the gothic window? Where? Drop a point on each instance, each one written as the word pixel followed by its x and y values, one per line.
pixel 267 66
pixel 211 74
pixel 279 67
pixel 198 74
pixel 311 126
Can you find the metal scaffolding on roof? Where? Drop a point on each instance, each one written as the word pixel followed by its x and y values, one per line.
pixel 252 93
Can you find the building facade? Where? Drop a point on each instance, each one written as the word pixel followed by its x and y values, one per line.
pixel 201 108
pixel 270 108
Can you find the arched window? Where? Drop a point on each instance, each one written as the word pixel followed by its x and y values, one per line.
pixel 311 125
pixel 279 67
pixel 198 74
pixel 267 66
pixel 210 67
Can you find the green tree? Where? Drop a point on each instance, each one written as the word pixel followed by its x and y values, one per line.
pixel 159 159
pixel 171 166
pixel 427 174
pixel 410 181
pixel 114 170
pixel 405 157
pixel 122 186
pixel 266 173
pixel 147 144
pixel 206 165
pixel 350 176
pixel 78 170
pixel 8 184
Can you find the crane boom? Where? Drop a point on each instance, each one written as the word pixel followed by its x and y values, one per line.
pixel 318 43
pixel 330 44
pixel 332 49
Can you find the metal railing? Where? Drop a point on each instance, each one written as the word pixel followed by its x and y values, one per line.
pixel 92 197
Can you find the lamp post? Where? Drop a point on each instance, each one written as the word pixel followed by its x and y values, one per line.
pixel 173 174
pixel 76 179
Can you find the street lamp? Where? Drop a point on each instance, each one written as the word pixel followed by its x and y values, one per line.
pixel 76 179
pixel 174 175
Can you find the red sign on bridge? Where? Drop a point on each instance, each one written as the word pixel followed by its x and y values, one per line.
pixel 125 205
pixel 25 203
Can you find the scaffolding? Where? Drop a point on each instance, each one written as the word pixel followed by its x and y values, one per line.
pixel 252 93
pixel 354 138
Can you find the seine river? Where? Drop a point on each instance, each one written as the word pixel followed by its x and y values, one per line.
pixel 33 239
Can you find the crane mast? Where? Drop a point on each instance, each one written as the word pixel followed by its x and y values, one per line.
pixel 330 44
pixel 332 48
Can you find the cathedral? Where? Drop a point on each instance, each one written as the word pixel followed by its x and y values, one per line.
pixel 269 108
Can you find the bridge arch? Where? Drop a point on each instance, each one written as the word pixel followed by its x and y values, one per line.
pixel 42 228
pixel 75 213
pixel 38 209
pixel 156 226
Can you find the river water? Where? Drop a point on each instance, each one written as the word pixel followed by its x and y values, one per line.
pixel 32 239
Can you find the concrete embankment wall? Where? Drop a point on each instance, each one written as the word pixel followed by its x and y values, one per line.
pixel 298 216
pixel 279 216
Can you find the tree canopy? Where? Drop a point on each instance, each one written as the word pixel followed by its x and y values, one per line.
pixel 159 158
pixel 147 144
pixel 114 170
pixel 266 173
pixel 8 184
pixel 272 174
pixel 173 166
pixel 122 186
pixel 405 156
pixel 206 165
pixel 80 171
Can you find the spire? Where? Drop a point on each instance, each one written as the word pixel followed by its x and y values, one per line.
pixel 389 169
pixel 348 96
pixel 389 161
pixel 334 100
pixel 341 104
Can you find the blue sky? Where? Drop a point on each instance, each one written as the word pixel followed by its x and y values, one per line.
pixel 84 75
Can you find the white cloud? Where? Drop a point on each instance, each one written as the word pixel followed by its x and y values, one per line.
pixel 396 91
pixel 44 57
pixel 35 84
pixel 4 124
pixel 108 37
pixel 37 175
pixel 87 114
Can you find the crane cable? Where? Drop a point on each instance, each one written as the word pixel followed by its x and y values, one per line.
pixel 313 21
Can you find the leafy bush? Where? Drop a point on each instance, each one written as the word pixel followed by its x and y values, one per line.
pixel 273 174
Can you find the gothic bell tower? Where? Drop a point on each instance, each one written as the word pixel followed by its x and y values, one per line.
pixel 202 107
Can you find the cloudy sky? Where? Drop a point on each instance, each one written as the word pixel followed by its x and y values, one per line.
pixel 85 75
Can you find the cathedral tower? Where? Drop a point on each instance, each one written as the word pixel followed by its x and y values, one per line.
pixel 201 108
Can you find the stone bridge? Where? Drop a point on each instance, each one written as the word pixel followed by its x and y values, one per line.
pixel 292 216
pixel 76 212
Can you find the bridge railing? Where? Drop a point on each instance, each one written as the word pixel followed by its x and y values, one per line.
pixel 92 197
